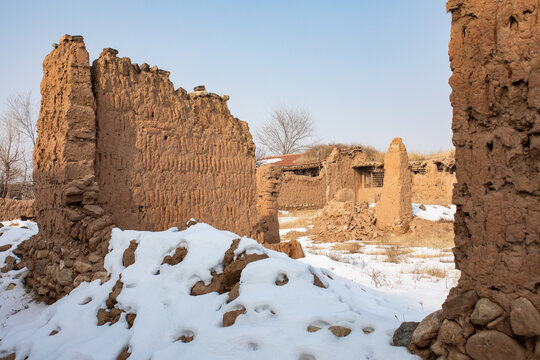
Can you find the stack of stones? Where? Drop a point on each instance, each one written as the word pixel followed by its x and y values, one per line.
pixel 469 327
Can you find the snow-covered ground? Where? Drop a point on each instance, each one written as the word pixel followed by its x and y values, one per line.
pixel 424 275
pixel 434 212
pixel 363 293
pixel 273 327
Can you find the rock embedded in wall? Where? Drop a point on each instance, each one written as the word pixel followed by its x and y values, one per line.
pixel 495 58
pixel 394 211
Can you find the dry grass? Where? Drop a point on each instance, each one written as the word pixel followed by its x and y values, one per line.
pixel 414 156
pixel 432 240
pixel 394 253
pixel 430 271
pixel 293 235
pixel 303 219
pixel 312 154
pixel 350 247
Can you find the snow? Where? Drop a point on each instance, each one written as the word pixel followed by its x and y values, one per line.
pixel 434 212
pixel 270 161
pixel 274 326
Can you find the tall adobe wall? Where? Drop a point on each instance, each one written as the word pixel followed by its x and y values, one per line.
pixel 72 228
pixel 394 211
pixel 493 313
pixel 164 156
pixel 269 181
pixel 117 145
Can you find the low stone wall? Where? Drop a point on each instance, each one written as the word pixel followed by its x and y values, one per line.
pixel 17 209
pixel 302 192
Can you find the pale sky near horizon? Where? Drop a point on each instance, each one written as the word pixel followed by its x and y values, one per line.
pixel 366 71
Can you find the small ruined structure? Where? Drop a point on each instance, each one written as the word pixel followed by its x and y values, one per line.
pixel 119 146
pixel 394 211
pixel 17 209
pixel 433 180
pixel 269 180
pixel 313 184
pixel 494 312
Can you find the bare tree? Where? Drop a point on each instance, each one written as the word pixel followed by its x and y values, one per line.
pixel 289 131
pixel 11 153
pixel 260 154
pixel 21 111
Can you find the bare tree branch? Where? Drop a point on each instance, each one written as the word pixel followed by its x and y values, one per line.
pixel 10 153
pixel 21 110
pixel 289 131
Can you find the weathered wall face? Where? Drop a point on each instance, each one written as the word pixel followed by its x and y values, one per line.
pixel 269 180
pixel 17 209
pixel 394 211
pixel 495 58
pixel 339 171
pixel 302 192
pixel 72 228
pixel 117 145
pixel 433 187
pixel 164 156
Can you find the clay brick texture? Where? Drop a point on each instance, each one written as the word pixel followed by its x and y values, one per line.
pixel 17 209
pixel 118 146
pixel 494 310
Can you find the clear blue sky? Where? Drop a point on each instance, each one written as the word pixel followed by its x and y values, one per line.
pixel 367 71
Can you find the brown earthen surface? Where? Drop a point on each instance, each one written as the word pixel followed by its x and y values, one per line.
pixel 268 187
pixel 394 211
pixel 71 225
pixel 435 186
pixel 165 156
pixel 495 58
pixel 17 209
pixel 118 145
pixel 302 192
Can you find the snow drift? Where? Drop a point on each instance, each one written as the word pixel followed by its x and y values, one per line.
pixel 274 308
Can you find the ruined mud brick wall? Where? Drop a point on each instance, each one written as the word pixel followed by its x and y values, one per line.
pixel 493 313
pixel 302 192
pixel 394 211
pixel 269 180
pixel 433 187
pixel 339 171
pixel 73 230
pixel 165 156
pixel 17 209
pixel 118 145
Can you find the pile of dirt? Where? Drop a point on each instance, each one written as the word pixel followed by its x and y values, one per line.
pixel 344 221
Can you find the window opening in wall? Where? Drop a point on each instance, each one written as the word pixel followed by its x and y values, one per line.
pixel 370 176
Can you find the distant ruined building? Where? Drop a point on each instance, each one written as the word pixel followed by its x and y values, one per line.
pixel 119 146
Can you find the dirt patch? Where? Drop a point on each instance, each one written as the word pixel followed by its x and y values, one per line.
pixel 344 221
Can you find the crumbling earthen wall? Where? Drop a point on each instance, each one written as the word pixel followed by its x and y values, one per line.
pixel 73 230
pixel 339 171
pixel 269 180
pixel 17 209
pixel 165 156
pixel 493 313
pixel 394 211
pixel 433 187
pixel 302 192
pixel 117 145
